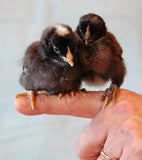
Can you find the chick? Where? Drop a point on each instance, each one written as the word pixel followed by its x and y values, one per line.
pixel 100 54
pixel 50 66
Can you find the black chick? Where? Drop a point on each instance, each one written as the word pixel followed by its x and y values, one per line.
pixel 100 54
pixel 50 65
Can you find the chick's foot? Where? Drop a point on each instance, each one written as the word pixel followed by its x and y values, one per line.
pixel 80 91
pixel 31 94
pixel 110 94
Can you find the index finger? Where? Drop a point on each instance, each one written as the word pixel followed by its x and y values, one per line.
pixel 86 104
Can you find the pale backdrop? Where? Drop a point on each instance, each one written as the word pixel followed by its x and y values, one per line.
pixel 48 137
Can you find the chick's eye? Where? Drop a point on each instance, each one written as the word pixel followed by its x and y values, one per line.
pixel 48 43
pixel 56 50
pixel 80 28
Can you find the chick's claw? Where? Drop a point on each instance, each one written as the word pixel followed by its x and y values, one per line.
pixel 73 93
pixel 32 98
pixel 60 96
pixel 42 92
pixel 110 93
pixel 83 90
pixel 21 95
pixel 80 91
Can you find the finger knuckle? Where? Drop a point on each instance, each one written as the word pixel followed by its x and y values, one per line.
pixel 83 151
pixel 79 151
pixel 129 127
pixel 123 107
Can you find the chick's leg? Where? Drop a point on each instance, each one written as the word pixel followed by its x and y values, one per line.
pixel 110 93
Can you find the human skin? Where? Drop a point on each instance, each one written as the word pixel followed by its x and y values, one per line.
pixel 116 129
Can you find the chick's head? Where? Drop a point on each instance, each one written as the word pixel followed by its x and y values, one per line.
pixel 91 28
pixel 59 43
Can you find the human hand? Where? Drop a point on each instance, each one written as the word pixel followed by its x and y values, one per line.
pixel 117 130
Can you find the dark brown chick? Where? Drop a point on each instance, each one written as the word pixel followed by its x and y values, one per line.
pixel 50 65
pixel 100 54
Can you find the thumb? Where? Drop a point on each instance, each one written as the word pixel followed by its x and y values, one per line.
pixel 85 104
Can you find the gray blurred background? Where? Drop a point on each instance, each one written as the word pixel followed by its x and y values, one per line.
pixel 21 22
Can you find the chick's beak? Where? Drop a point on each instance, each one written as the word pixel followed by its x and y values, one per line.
pixel 87 36
pixel 69 57
pixel 86 41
